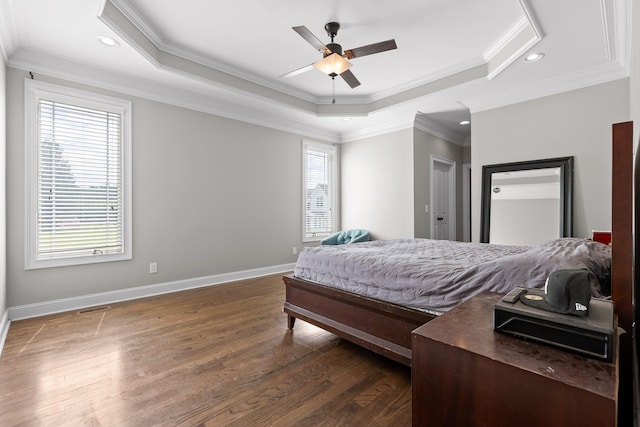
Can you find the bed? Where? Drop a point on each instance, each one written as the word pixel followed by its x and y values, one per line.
pixel 381 319
pixel 437 275
pixel 379 288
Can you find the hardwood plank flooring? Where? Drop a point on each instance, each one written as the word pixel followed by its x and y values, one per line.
pixel 215 356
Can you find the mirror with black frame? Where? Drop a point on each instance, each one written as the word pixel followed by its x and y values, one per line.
pixel 526 203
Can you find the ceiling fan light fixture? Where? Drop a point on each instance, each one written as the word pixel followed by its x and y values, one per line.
pixel 332 64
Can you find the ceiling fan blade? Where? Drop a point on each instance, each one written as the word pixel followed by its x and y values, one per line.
pixel 310 38
pixel 298 71
pixel 370 49
pixel 351 80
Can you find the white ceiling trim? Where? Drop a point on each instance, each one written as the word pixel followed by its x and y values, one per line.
pixel 621 35
pixel 122 25
pixel 603 73
pixel 9 41
pixel 380 128
pixel 616 16
pixel 143 26
pixel 427 79
pixel 616 24
pixel 522 36
pixel 162 45
pixel 606 29
pixel 125 28
pixel 123 20
pixel 434 128
pixel 42 63
pixel 506 38
pixel 616 21
pixel 521 42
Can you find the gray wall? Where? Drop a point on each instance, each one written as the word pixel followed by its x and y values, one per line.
pixel 3 238
pixel 213 195
pixel 386 183
pixel 466 154
pixel 425 146
pixel 377 185
pixel 575 123
pixel 210 196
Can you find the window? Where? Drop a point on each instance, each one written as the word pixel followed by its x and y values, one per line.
pixel 78 177
pixel 319 187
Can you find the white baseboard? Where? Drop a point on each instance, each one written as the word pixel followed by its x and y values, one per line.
pixel 4 329
pixel 75 303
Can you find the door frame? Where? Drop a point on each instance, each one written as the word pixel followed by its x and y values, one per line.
pixel 466 202
pixel 452 194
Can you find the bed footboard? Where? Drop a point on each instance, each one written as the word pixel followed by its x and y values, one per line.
pixel 382 327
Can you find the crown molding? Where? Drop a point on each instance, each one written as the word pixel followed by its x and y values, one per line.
pixel 434 128
pixel 128 24
pixel 147 30
pixel 622 18
pixel 122 25
pixel 138 20
pixel 380 127
pixel 9 41
pixel 290 111
pixel 41 63
pixel 130 13
pixel 616 21
pixel 497 50
pixel 520 37
pixel 616 24
pixel 143 41
pixel 607 29
pixel 604 73
pixel 440 75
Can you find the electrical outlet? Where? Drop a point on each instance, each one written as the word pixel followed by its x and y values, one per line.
pixel 153 267
pixel 294 251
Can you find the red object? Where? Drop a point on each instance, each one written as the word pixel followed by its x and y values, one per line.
pixel 601 236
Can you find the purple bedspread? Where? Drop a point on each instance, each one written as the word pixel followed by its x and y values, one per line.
pixel 437 275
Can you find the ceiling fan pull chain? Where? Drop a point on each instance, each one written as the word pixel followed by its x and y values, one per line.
pixel 333 78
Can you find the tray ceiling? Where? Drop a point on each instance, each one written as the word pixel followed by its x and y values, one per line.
pixel 453 57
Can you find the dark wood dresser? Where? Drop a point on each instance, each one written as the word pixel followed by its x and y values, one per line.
pixel 465 374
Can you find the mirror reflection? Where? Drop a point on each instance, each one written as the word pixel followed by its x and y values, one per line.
pixel 526 203
pixel 525 206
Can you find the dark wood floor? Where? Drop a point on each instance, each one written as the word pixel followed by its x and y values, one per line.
pixel 217 356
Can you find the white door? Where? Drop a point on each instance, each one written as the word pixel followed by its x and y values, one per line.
pixel 443 198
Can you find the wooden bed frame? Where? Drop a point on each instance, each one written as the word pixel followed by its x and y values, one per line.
pixel 380 326
pixel 385 328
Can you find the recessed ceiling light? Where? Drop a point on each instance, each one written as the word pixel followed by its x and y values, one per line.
pixel 465 122
pixel 532 57
pixel 346 119
pixel 108 41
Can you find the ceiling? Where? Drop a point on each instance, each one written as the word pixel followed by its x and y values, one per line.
pixel 454 57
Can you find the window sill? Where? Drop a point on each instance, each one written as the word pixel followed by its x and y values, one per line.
pixel 68 262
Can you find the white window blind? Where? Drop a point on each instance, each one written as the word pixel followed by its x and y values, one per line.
pixel 319 192
pixel 78 194
pixel 79 181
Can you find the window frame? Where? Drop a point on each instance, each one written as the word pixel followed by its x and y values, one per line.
pixel 332 150
pixel 35 91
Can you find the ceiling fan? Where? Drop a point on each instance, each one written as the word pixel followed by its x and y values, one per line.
pixel 333 61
